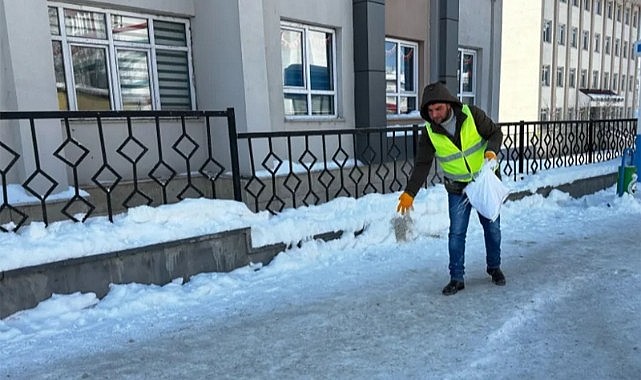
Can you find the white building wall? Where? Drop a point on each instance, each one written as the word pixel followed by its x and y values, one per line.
pixel 520 60
pixel 556 56
pixel 480 30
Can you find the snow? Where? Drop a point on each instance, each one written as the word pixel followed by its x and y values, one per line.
pixel 362 306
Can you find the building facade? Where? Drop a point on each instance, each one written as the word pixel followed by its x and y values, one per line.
pixel 283 65
pixel 580 59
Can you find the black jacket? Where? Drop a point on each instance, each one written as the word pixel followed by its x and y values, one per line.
pixel 438 93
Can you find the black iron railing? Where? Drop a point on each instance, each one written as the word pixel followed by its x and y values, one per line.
pixel 162 156
pixel 115 160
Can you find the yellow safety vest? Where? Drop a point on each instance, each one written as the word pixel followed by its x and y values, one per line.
pixel 460 164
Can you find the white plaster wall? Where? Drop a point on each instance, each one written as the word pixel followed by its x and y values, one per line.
pixel 520 62
pixel 475 32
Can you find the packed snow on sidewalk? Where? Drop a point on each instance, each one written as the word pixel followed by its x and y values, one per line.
pixel 338 280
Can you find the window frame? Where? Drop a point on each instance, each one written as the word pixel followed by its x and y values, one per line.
pixel 572 78
pixel 545 76
pixel 547 31
pixel 561 35
pixel 460 94
pixel 306 88
pixel 112 46
pixel 400 93
pixel 560 76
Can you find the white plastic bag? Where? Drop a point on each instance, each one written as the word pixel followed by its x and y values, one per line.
pixel 487 193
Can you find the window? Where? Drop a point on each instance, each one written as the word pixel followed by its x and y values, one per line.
pixel 631 82
pixel 560 76
pixel 106 60
pixel 606 81
pixel 572 78
pixel 626 16
pixel 307 55
pixel 597 42
pixel 544 114
pixel 617 47
pixel 570 113
pixel 545 75
pixel 597 6
pixel 625 49
pixel 558 113
pixel 608 41
pixel 586 5
pixel 561 36
pixel 586 40
pixel 575 3
pixel 595 79
pixel 635 18
pixel 467 76
pixel 609 10
pixel 618 12
pixel 401 76
pixel 574 37
pixel 547 31
pixel 623 77
pixel 615 82
pixel 584 78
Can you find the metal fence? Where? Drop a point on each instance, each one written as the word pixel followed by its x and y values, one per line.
pixel 111 161
pixel 115 160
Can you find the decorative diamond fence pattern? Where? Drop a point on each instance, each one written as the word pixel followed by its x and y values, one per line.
pixel 115 160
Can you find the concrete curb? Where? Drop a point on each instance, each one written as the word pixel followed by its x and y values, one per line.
pixel 161 263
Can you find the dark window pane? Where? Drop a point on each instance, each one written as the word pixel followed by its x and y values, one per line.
pixel 295 104
pixel 170 33
pixel 59 68
pixel 391 60
pixel 468 72
pixel 90 75
pixel 391 106
pixel 407 69
pixel 54 25
pixel 322 105
pixel 320 58
pixel 407 104
pixel 292 57
pixel 133 72
pixel 173 80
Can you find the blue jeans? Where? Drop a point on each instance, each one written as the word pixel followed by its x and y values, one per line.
pixel 459 210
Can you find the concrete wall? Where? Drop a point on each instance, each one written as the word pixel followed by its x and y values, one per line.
pixel 155 264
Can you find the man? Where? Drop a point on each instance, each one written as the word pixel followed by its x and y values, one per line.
pixel 461 138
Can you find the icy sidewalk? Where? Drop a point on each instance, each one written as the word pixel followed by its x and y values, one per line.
pixel 346 310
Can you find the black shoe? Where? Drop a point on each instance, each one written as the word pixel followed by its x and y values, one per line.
pixel 497 276
pixel 453 287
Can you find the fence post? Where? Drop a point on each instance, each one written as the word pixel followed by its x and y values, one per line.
pixel 414 139
pixel 233 150
pixel 591 147
pixel 521 145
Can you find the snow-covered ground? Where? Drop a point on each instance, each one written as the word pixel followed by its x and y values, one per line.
pixel 357 307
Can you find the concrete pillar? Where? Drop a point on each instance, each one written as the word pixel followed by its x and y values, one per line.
pixel 444 19
pixel 28 84
pixel 369 63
